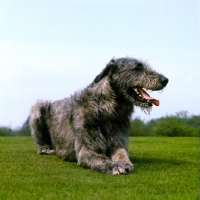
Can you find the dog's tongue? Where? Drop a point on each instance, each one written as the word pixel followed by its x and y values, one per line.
pixel 147 97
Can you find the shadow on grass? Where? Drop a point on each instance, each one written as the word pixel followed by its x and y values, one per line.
pixel 159 164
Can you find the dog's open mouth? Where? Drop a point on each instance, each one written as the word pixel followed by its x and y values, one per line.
pixel 142 96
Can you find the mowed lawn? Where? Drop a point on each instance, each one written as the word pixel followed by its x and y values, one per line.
pixel 165 168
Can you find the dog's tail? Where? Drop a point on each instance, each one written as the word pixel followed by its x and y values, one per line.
pixel 38 123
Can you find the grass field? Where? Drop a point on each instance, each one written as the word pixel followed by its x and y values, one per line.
pixel 165 168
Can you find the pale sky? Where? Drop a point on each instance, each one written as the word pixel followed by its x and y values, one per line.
pixel 50 49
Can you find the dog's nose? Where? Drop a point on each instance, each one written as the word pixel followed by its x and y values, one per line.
pixel 164 81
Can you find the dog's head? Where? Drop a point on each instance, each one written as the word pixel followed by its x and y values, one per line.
pixel 130 78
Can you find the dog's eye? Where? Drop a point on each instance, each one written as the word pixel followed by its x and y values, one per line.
pixel 138 67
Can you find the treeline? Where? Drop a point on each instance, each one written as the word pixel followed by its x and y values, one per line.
pixel 23 131
pixel 179 125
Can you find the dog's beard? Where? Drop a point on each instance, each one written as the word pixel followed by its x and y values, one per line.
pixel 142 99
pixel 146 110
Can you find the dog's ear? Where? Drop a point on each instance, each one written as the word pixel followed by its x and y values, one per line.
pixel 110 68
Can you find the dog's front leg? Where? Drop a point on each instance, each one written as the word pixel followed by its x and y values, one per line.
pixel 90 159
pixel 121 157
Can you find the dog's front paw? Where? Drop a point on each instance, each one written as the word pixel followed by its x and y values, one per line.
pixel 128 167
pixel 122 168
pixel 118 170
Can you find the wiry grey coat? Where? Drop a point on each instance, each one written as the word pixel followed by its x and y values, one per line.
pixel 91 127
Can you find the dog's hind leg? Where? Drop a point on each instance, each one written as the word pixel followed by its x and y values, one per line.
pixel 38 123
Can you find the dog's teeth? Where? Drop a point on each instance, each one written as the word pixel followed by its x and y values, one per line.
pixel 136 90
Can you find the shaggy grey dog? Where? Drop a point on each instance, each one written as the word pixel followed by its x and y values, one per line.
pixel 91 127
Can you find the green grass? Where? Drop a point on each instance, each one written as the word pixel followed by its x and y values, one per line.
pixel 165 168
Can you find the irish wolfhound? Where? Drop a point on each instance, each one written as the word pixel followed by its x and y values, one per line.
pixel 91 127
